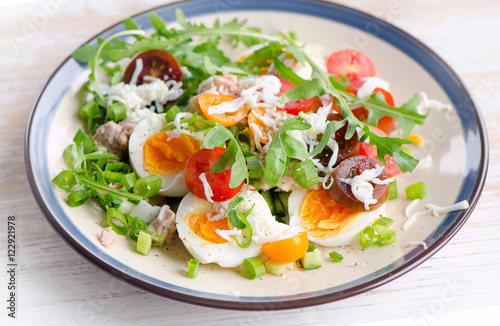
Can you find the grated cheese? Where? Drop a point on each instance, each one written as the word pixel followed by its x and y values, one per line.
pixel 370 84
pixel 361 184
pixel 226 234
pixel 137 71
pixel 436 210
pixel 429 104
pixel 418 243
pixel 206 187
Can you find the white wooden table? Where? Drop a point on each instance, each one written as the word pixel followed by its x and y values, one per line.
pixel 56 286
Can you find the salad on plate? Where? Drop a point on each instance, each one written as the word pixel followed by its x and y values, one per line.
pixel 262 160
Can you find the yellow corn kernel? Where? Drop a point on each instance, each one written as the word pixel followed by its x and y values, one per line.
pixel 416 139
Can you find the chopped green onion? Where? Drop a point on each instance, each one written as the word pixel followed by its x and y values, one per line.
pixel 383 232
pixel 245 149
pixel 157 240
pixel 416 191
pixel 117 111
pixel 82 138
pixel 115 213
pixel 193 266
pixel 241 217
pixel 312 247
pixel 384 221
pixel 144 241
pixel 305 174
pixel 385 241
pixel 88 111
pixel 253 268
pixel 77 198
pixel 236 219
pixel 393 190
pixel 65 180
pixel 147 186
pixel 128 180
pixel 118 167
pixel 254 168
pixel 283 198
pixel 336 257
pixel 366 237
pixel 136 222
pixel 171 113
pixel 112 177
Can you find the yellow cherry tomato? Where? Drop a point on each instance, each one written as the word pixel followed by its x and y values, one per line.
pixel 287 250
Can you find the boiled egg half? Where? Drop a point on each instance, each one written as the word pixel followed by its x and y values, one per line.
pixel 326 222
pixel 152 151
pixel 206 235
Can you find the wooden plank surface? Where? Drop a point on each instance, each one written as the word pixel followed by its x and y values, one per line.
pixel 58 287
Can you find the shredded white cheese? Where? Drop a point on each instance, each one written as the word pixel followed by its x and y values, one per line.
pixel 138 68
pixel 226 234
pixel 429 104
pixel 361 186
pixel 370 84
pixel 436 210
pixel 410 207
pixel 206 187
pixel 418 243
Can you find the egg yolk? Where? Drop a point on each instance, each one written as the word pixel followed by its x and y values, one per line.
pixel 204 228
pixel 323 218
pixel 166 156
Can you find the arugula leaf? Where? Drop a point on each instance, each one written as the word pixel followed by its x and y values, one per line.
pixel 407 115
pixel 392 147
pixel 309 89
pixel 283 148
pixel 232 157
pixel 331 127
pixel 85 53
pixel 286 72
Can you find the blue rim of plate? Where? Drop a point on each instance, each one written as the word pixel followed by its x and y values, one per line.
pixel 59 83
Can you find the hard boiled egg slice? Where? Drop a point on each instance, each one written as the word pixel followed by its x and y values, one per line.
pixel 206 236
pixel 326 222
pixel 152 151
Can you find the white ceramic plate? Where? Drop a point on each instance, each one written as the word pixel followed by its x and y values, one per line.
pixel 456 141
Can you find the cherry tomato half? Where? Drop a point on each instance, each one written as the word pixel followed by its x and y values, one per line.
pixel 203 162
pixel 287 250
pixel 352 64
pixel 341 192
pixel 386 123
pixel 303 105
pixel 155 63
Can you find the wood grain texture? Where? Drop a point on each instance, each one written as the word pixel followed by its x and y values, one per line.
pixel 58 287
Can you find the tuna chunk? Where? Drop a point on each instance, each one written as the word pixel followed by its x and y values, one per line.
pixel 108 237
pixel 228 85
pixel 114 136
pixel 164 224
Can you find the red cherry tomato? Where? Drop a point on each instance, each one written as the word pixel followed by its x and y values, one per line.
pixel 155 63
pixel 352 64
pixel 386 123
pixel 203 162
pixel 303 105
pixel 391 167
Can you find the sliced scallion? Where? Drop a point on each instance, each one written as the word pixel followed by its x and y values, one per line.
pixel 393 190
pixel 305 174
pixel 117 111
pixel 236 219
pixel 114 213
pixel 147 186
pixel 128 180
pixel 77 198
pixel 65 180
pixel 144 241
pixel 312 247
pixel 383 232
pixel 253 268
pixel 254 168
pixel 366 237
pixel 416 191
pixel 336 257
pixel 171 113
pixel 193 266
pixel 384 221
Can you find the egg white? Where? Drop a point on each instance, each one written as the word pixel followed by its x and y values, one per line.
pixel 294 208
pixel 173 185
pixel 264 227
